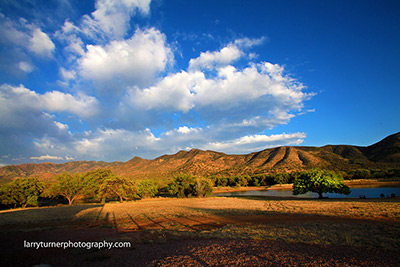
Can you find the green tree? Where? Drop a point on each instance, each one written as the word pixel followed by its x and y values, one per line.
pixel 147 188
pixel 362 174
pixel 21 192
pixel 319 181
pixel 117 186
pixel 92 182
pixel 282 178
pixel 203 187
pixel 182 185
pixel 69 186
pixel 186 185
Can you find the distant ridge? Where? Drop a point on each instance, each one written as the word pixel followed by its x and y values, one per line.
pixel 384 154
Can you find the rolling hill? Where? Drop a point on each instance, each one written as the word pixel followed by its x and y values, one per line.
pixel 384 154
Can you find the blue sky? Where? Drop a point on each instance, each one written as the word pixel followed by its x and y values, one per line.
pixel 110 80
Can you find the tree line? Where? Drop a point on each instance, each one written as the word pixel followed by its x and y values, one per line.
pixel 102 184
pixel 98 186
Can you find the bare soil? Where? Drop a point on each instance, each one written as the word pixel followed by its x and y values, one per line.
pixel 209 232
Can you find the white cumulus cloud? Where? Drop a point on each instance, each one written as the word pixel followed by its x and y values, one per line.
pixel 136 60
pixel 18 104
pixel 47 157
pixel 251 143
pixel 261 88
pixel 208 60
pixel 41 44
pixel 111 18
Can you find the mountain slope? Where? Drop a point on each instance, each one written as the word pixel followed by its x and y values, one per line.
pixel 384 154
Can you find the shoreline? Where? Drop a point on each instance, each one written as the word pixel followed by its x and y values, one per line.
pixel 350 183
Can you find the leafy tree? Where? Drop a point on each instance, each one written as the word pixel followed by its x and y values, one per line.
pixel 117 186
pixel 282 178
pixel 69 186
pixel 147 188
pixel 319 181
pixel 203 187
pixel 241 180
pixel 362 174
pixel 186 185
pixel 182 185
pixel 93 181
pixel 21 192
pixel 220 181
pixel 265 179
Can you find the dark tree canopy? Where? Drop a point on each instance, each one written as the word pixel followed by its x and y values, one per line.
pixel 186 185
pixel 320 181
pixel 93 181
pixel 117 186
pixel 21 192
pixel 69 186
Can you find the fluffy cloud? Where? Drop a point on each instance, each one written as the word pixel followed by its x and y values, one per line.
pixel 41 44
pixel 233 104
pixel 20 99
pixel 25 116
pixel 111 18
pixel 47 157
pixel 114 143
pixel 251 143
pixel 260 92
pixel 67 74
pixel 19 41
pixel 102 144
pixel 222 101
pixel 136 60
pixel 22 34
pixel 224 57
pixel 28 121
pixel 25 66
pixel 13 32
pixel 120 143
pixel 208 60
pixel 69 34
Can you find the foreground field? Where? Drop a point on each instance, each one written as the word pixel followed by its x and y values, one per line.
pixel 211 231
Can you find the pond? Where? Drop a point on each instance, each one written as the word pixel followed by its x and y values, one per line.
pixel 368 192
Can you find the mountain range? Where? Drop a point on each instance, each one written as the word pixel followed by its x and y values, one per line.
pixel 383 154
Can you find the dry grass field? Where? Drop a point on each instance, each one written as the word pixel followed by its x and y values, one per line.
pixel 349 225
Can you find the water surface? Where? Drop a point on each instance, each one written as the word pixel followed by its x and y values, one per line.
pixel 368 192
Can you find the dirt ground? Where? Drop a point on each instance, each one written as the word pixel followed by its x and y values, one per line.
pixel 209 232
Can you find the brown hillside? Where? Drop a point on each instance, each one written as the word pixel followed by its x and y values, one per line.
pixel 387 150
pixel 384 154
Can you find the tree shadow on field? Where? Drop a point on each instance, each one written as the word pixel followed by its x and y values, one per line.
pixel 45 218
